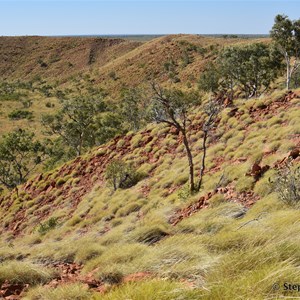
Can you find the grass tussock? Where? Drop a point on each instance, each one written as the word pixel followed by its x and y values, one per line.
pixel 64 292
pixel 225 250
pixel 148 290
pixel 22 272
pixel 121 256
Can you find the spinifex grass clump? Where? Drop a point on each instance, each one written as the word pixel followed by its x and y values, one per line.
pixel 66 292
pixel 21 272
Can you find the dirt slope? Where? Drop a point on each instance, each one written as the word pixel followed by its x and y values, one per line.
pixel 56 58
pixel 71 222
pixel 76 179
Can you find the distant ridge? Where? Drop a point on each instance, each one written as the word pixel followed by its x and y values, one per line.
pixel 148 37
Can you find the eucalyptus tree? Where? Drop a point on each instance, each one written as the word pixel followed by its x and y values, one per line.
pixel 173 107
pixel 286 36
pixel 20 154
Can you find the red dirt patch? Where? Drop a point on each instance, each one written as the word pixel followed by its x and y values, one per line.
pixel 12 291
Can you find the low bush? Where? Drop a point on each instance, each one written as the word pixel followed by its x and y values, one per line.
pixel 47 226
pixel 287 186
pixel 20 114
pixel 120 175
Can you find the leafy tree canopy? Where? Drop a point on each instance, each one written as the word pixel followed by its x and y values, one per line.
pixel 20 154
pixel 286 35
pixel 76 122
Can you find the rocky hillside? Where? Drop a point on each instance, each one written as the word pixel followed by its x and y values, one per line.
pixel 36 71
pixel 56 58
pixel 67 233
pixel 177 58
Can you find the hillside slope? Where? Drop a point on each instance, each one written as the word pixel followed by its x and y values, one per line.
pixel 177 58
pixel 67 233
pixel 38 70
pixel 56 58
pixel 172 60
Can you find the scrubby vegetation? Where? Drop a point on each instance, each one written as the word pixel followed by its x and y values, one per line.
pixel 186 187
pixel 287 186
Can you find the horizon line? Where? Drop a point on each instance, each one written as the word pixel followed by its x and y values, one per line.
pixel 134 34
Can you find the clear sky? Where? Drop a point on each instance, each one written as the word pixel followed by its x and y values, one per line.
pixel 79 17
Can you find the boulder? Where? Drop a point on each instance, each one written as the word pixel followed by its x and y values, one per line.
pixel 232 112
pixel 294 153
pixel 255 169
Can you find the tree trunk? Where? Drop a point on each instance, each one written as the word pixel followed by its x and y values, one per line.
pixel 191 163
pixel 288 73
pixel 288 78
pixel 115 183
pixel 203 161
pixel 79 147
pixel 231 90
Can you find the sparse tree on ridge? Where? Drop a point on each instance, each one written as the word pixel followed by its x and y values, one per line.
pixel 286 35
pixel 211 109
pixel 173 108
pixel 209 79
pixel 20 154
pixel 251 67
pixel 76 122
pixel 133 108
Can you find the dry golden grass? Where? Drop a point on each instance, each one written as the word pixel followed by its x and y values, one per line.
pixel 127 231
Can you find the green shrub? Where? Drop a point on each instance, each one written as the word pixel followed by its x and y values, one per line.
pixel 287 186
pixel 120 175
pixel 184 193
pixel 113 75
pixel 47 226
pixel 20 114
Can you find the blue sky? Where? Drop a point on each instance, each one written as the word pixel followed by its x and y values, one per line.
pixel 71 17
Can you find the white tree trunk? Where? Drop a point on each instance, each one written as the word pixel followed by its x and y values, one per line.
pixel 288 71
